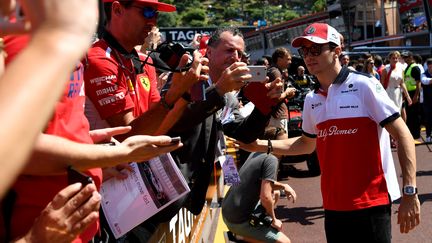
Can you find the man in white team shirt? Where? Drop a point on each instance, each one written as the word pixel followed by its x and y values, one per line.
pixel 344 121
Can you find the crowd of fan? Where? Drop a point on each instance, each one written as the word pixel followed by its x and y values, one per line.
pixel 61 97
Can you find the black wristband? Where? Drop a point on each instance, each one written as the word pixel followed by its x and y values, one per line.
pixel 269 146
pixel 186 96
pixel 164 103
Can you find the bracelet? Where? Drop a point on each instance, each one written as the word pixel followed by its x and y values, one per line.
pixel 269 146
pixel 164 103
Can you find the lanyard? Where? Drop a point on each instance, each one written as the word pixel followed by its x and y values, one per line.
pixel 131 73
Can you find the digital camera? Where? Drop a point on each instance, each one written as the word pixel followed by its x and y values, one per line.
pixel 170 53
pixel 260 217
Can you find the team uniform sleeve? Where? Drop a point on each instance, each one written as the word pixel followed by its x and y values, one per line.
pixel 380 107
pixel 106 86
pixel 308 126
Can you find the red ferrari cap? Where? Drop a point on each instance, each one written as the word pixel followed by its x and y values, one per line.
pixel 160 6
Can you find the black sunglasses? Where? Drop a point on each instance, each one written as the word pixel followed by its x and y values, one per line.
pixel 314 50
pixel 148 12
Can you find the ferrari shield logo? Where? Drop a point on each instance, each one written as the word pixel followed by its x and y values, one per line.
pixel 145 82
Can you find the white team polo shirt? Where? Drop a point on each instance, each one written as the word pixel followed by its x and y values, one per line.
pixel 353 148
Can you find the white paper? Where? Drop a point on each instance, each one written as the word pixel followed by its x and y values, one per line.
pixel 149 188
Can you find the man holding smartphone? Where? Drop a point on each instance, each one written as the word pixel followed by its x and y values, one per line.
pixel 202 127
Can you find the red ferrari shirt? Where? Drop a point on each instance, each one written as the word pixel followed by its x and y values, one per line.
pixel 68 121
pixel 114 86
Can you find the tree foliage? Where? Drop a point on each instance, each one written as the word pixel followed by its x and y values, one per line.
pixel 194 18
pixel 319 6
pixel 167 19
pixel 236 12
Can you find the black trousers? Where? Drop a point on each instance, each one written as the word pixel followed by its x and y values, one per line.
pixel 371 225
pixel 413 117
pixel 427 110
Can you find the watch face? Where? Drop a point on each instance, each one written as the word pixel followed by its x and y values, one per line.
pixel 409 190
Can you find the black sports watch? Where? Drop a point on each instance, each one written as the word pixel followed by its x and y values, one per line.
pixel 409 190
pixel 164 103
pixel 186 96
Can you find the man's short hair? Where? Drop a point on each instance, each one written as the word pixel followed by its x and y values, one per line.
pixel 378 60
pixel 429 61
pixel 344 55
pixel 273 133
pixel 215 36
pixel 261 61
pixel 280 53
pixel 108 7
pixel 366 55
pixel 418 58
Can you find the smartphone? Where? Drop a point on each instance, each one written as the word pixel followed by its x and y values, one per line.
pixel 75 176
pixel 259 73
pixel 107 144
pixel 175 140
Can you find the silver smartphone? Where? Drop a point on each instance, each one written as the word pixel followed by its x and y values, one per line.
pixel 259 73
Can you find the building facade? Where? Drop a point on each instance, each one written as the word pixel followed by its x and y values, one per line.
pixel 375 26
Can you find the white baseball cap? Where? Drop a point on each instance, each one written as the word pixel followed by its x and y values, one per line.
pixel 319 33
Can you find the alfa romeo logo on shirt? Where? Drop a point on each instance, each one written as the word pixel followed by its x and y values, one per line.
pixel 311 30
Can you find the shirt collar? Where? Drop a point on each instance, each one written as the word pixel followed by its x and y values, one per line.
pixel 342 76
pixel 133 55
pixel 110 39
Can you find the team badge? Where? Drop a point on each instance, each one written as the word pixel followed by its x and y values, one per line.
pixel 145 82
pixel 130 86
pixel 379 88
pixel 310 31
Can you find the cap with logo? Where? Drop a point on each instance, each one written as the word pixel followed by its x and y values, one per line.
pixel 319 33
pixel 203 44
pixel 406 54
pixel 160 6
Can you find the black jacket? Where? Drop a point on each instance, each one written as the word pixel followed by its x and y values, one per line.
pixel 198 128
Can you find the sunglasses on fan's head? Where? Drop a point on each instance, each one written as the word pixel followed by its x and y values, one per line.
pixel 148 12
